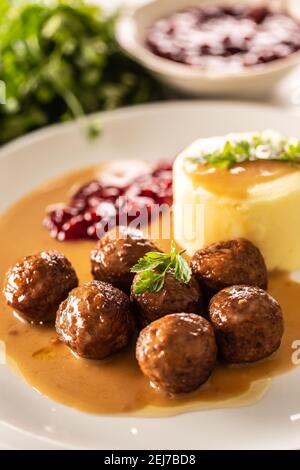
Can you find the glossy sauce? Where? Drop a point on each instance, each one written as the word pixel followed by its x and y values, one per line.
pixel 115 385
pixel 240 179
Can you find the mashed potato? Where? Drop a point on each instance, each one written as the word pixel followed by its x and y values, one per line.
pixel 258 200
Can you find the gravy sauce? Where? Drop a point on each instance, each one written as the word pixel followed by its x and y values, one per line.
pixel 115 386
pixel 241 178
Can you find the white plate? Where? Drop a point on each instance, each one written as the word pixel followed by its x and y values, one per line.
pixel 145 132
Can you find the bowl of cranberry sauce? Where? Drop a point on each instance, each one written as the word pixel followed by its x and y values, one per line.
pixel 225 37
pixel 220 48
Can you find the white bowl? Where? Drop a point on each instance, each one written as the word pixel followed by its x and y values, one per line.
pixel 256 81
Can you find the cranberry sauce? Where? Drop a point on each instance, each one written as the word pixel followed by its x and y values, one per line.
pixel 96 204
pixel 215 37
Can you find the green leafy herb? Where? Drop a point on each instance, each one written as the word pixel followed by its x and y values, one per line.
pixel 259 147
pixel 59 60
pixel 154 266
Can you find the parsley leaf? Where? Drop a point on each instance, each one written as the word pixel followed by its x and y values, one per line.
pixel 151 260
pixel 259 147
pixel 149 281
pixel 182 271
pixel 154 266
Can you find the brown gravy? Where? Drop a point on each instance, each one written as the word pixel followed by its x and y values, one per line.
pixel 115 385
pixel 241 178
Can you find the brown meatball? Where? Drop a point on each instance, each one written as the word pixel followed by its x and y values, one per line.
pixel 95 320
pixel 175 296
pixel 116 253
pixel 177 353
pixel 227 263
pixel 37 284
pixel 248 323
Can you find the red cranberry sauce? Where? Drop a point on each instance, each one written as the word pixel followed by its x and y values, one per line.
pixel 96 203
pixel 215 37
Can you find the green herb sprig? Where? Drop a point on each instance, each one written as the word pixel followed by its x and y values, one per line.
pixel 155 265
pixel 258 148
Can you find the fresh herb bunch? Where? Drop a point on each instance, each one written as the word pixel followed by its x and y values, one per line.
pixel 258 148
pixel 155 265
pixel 60 60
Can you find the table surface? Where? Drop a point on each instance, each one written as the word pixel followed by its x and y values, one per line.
pixel 287 95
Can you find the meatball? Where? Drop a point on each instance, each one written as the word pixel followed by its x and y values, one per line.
pixel 177 353
pixel 248 323
pixel 95 320
pixel 175 296
pixel 116 253
pixel 37 284
pixel 226 263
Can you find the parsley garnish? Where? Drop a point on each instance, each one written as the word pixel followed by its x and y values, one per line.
pixel 258 148
pixel 155 265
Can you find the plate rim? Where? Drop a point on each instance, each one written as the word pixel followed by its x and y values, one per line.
pixel 109 115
